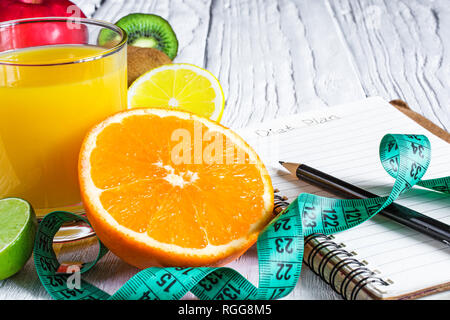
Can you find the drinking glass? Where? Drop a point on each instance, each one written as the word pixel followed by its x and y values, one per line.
pixel 58 78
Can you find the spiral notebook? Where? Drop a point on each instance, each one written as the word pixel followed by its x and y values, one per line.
pixel 378 259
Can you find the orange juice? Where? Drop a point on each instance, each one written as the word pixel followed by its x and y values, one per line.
pixel 47 104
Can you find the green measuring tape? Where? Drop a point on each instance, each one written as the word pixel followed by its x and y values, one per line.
pixel 280 245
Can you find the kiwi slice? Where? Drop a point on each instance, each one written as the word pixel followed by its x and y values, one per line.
pixel 145 30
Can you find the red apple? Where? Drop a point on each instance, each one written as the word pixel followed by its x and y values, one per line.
pixel 42 33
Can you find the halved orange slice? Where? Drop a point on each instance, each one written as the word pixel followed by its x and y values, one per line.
pixel 170 188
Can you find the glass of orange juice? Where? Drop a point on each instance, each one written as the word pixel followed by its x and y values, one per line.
pixel 56 82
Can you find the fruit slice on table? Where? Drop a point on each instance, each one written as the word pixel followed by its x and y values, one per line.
pixel 147 31
pixel 179 86
pixel 155 196
pixel 17 230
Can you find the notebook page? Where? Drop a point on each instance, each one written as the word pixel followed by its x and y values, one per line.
pixel 343 141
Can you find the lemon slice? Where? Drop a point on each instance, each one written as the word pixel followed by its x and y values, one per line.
pixel 179 86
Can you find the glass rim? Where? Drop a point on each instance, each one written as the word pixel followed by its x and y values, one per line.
pixel 101 23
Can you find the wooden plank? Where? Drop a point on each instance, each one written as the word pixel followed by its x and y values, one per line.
pixel 401 50
pixel 276 58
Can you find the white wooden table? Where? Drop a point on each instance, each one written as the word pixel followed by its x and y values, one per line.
pixel 278 57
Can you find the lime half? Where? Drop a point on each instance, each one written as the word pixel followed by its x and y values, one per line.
pixel 17 230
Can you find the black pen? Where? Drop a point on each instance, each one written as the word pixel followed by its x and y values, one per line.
pixel 398 213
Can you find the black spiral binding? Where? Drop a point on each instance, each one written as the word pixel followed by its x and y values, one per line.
pixel 279 203
pixel 347 259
